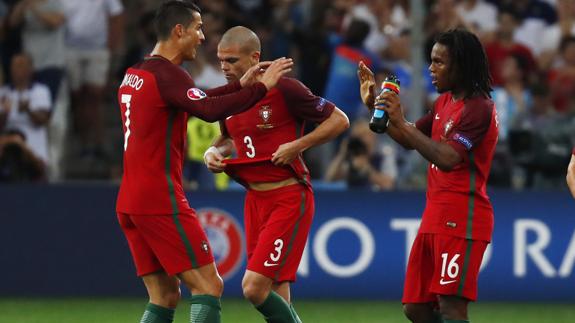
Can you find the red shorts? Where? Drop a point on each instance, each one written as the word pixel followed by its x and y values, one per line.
pixel 277 224
pixel 170 243
pixel 442 265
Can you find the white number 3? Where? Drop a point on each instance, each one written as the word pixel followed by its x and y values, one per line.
pixel 126 98
pixel 249 144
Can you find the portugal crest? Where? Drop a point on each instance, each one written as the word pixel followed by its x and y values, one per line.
pixel 265 114
pixel 448 126
pixel 225 239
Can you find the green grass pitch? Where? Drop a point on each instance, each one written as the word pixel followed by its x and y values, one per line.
pixel 98 310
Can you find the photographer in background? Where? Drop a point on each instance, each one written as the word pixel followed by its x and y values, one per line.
pixel 360 163
pixel 18 163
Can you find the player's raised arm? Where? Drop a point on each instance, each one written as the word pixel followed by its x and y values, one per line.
pixel 182 93
pixel 252 76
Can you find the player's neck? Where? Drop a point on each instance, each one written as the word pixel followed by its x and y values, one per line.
pixel 457 95
pixel 168 51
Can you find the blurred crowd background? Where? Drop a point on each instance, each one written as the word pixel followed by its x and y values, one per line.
pixel 62 61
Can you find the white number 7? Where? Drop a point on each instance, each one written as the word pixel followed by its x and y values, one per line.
pixel 126 98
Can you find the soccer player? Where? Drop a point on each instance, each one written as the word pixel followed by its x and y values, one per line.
pixel 571 174
pixel 279 202
pixel 458 138
pixel 156 97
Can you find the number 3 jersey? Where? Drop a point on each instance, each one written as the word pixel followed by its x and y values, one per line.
pixel 457 201
pixel 277 119
pixel 156 98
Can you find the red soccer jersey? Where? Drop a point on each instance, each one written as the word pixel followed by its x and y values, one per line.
pixel 457 201
pixel 276 119
pixel 155 99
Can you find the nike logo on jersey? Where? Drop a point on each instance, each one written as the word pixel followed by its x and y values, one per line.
pixel 446 282
pixel 436 116
pixel 267 264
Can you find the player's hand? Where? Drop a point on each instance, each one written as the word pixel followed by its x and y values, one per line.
pixel 367 84
pixel 285 154
pixel 254 73
pixel 214 160
pixel 389 102
pixel 277 69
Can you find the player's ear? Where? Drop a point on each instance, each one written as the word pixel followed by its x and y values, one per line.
pixel 178 30
pixel 255 57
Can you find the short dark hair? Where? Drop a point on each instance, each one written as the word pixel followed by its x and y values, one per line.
pixel 468 58
pixel 356 32
pixel 172 13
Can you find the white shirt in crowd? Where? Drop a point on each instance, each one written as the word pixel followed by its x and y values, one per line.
pixel 38 97
pixel 483 15
pixel 87 22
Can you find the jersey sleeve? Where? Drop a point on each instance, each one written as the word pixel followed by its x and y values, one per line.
pixel 302 103
pixel 225 89
pixel 473 124
pixel 425 123
pixel 178 90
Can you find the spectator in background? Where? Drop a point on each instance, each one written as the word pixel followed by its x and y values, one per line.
pixel 314 47
pixel 18 163
pixel 479 15
pixel 43 39
pixel 562 78
pixel 361 162
pixel 504 45
pixel 565 26
pixel 512 99
pixel 25 106
pixel 94 30
pixel 377 14
pixel 341 81
pixel 442 16
pixel 201 135
pixel 342 73
pixel 3 19
pixel 535 16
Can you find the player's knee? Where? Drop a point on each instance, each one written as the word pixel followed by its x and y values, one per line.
pixel 254 292
pixel 166 298
pixel 216 287
pixel 172 298
pixel 417 313
pixel 453 307
pixel 453 311
pixel 409 311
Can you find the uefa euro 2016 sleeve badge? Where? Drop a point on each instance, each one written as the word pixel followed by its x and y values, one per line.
pixel 265 114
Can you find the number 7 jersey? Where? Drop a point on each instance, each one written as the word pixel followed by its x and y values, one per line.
pixel 156 98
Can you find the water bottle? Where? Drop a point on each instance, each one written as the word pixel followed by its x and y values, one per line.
pixel 379 119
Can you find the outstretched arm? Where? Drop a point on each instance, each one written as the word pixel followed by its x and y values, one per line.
pixel 184 96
